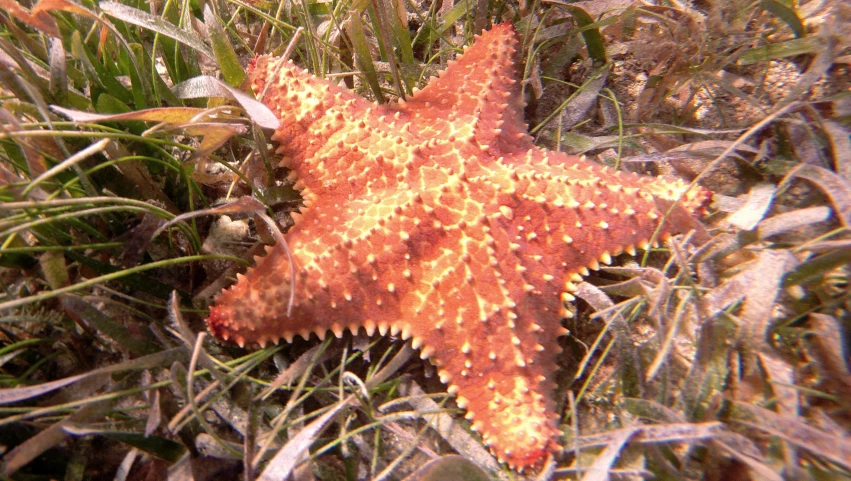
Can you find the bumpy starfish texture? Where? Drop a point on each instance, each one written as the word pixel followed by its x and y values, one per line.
pixel 440 220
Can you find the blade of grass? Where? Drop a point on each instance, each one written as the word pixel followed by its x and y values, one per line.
pixel 58 72
pixel 159 359
pixel 789 48
pixel 787 14
pixel 67 163
pixel 364 59
pixel 95 72
pixel 156 24
pixel 109 277
pixel 228 62
pixel 589 29
pixel 156 445
pixel 145 91
pixel 85 313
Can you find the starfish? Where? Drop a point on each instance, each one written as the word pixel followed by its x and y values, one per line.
pixel 437 218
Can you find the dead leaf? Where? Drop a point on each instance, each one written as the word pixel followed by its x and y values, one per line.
pixel 836 188
pixel 604 462
pixel 54 268
pixel 449 468
pixel 38 18
pixel 35 446
pixel 789 221
pixel 168 115
pixel 160 359
pixel 154 408
pixel 758 286
pixel 205 86
pixel 577 109
pixel 287 458
pixel 794 431
pixel 840 143
pixel 825 344
pixel 628 360
pixel 654 433
pixel 444 424
pixel 781 375
pixel 756 206
pixel 315 355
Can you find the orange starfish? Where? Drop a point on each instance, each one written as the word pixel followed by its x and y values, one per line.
pixel 438 218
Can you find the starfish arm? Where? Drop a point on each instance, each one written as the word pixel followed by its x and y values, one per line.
pixel 476 322
pixel 482 106
pixel 246 312
pixel 347 264
pixel 337 144
pixel 254 310
pixel 565 215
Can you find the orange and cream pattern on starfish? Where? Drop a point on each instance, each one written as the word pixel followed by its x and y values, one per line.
pixel 437 218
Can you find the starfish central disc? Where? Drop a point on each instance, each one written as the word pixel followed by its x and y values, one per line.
pixel 438 218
